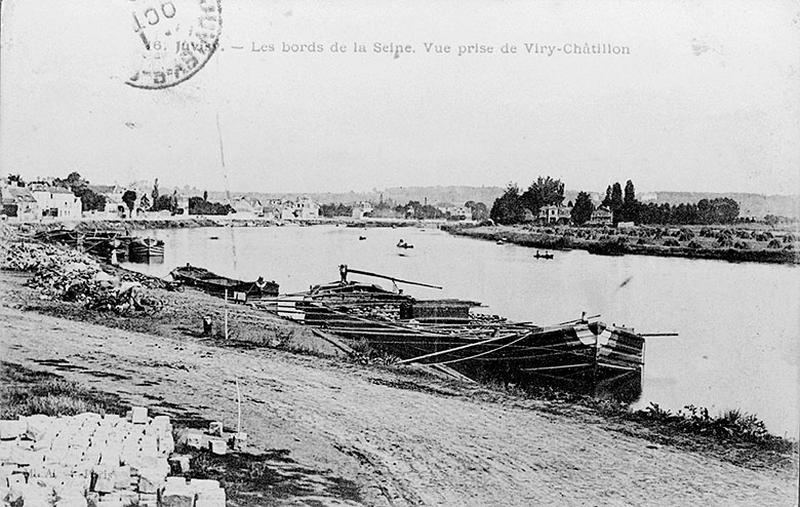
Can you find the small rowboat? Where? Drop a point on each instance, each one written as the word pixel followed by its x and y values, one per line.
pixel 403 244
pixel 216 285
pixel 144 249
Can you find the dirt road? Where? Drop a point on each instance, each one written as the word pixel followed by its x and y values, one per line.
pixel 402 446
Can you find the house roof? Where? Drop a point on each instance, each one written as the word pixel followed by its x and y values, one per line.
pixel 49 188
pixel 13 195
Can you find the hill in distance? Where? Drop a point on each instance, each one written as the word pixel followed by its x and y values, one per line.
pixel 750 204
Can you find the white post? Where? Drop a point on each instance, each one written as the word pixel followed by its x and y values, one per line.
pixel 226 314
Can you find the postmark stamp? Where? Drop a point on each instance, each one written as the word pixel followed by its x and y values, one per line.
pixel 176 38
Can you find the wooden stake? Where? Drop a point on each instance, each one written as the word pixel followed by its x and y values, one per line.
pixel 226 314
pixel 239 406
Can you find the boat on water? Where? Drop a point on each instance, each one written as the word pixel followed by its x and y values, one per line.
pixel 220 286
pixel 362 238
pixel 582 355
pixel 402 244
pixel 145 249
pixel 546 255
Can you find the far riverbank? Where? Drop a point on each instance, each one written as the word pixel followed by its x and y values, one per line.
pixel 196 221
pixel 694 242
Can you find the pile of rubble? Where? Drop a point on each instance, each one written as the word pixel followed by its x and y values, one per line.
pixel 68 275
pixel 91 460
pixel 31 256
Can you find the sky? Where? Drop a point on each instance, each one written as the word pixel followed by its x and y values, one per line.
pixel 707 98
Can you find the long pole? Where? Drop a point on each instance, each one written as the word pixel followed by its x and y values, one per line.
pixel 359 272
pixel 226 314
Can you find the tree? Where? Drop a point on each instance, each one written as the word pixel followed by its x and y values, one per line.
pixel 630 193
pixel 15 180
pixel 583 208
pixel 154 193
pixel 129 198
pixel 507 209
pixel 607 200
pixel 162 203
pixel 543 192
pixel 90 200
pixel 205 195
pixel 629 212
pixel 616 197
pixel 479 211
pixel 200 206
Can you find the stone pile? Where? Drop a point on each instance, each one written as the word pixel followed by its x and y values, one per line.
pixel 31 256
pixel 61 274
pixel 91 460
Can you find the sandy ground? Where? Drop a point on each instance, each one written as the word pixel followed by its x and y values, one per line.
pixel 402 446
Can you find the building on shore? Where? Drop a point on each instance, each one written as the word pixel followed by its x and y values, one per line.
pixel 456 212
pixel 304 208
pixel 601 216
pixel 56 202
pixel 247 208
pixel 19 203
pixel 552 214
pixel 362 210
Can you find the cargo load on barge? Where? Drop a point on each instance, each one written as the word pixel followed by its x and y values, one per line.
pixel 583 355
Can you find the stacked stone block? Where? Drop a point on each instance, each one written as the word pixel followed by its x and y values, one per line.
pixel 89 460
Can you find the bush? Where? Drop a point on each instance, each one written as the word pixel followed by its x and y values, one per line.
pixel 774 244
pixel 693 245
pixel 671 242
pixel 741 245
pixel 724 241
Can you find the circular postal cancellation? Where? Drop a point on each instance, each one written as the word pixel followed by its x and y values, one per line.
pixel 175 39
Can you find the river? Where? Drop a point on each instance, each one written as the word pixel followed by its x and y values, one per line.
pixel 737 323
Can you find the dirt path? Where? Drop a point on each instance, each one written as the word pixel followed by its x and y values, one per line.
pixel 403 446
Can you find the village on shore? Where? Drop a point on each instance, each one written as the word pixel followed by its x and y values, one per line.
pixel 617 224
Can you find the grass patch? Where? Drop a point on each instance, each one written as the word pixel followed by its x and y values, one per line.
pixel 269 478
pixel 26 392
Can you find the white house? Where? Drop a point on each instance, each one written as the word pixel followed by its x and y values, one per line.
pixel 552 214
pixel 247 207
pixel 56 202
pixel 361 209
pixel 601 216
pixel 303 208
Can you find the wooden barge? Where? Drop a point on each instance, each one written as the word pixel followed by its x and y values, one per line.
pixel 234 290
pixel 583 355
pixel 146 250
pixel 109 244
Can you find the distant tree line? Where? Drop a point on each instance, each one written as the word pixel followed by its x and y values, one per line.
pixel 514 207
pixel 335 210
pixel 626 208
pixel 202 206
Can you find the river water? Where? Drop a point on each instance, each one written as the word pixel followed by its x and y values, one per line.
pixel 738 323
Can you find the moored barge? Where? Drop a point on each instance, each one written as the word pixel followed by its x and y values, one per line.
pixel 221 286
pixel 583 355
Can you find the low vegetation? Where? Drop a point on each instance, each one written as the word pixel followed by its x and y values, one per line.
pixel 26 392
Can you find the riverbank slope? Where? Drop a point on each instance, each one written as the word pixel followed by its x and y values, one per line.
pixel 689 242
